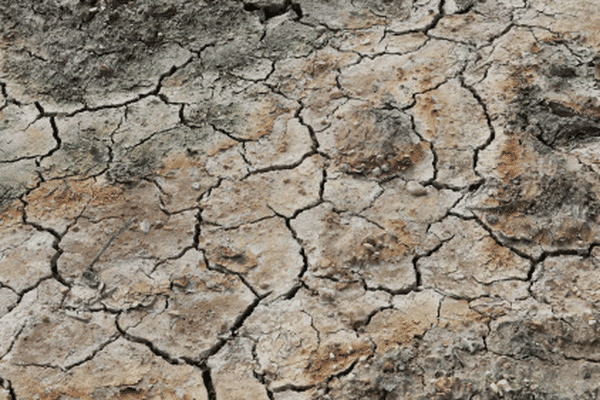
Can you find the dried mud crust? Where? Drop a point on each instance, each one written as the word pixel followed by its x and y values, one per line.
pixel 299 199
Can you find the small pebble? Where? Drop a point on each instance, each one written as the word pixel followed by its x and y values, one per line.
pixel 415 188
pixel 504 385
pixel 145 226
pixel 368 246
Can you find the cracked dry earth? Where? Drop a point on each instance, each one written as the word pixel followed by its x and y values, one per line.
pixel 294 200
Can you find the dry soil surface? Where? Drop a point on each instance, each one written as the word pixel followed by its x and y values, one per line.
pixel 299 199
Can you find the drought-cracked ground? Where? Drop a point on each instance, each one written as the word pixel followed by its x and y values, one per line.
pixel 294 200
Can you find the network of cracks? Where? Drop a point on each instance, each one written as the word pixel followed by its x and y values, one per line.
pixel 293 200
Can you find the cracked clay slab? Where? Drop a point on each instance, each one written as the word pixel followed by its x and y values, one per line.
pixel 299 200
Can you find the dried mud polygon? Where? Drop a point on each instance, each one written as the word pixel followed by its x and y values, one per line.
pixel 299 199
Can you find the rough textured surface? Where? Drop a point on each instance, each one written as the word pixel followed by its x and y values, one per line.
pixel 299 199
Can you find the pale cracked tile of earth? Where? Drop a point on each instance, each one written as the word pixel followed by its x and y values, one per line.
pixel 570 284
pixel 391 374
pixel 23 245
pixel 38 332
pixel 375 142
pixel 407 209
pixel 183 162
pixel 134 79
pixel 121 370
pixel 190 84
pixel 350 248
pixel 554 211
pixel 484 22
pixel 471 264
pixel 287 144
pixel 559 17
pixel 23 134
pixel 265 253
pixel 17 178
pixel 290 394
pixel 290 351
pixel 341 191
pixel 532 328
pixel 56 204
pixel 285 340
pixel 143 119
pixel 460 330
pixel 355 15
pixel 125 284
pixel 264 194
pixel 376 41
pixel 312 81
pixel 85 144
pixel 451 118
pixel 8 300
pixel 336 306
pixel 153 234
pixel 411 315
pixel 183 179
pixel 393 79
pixel 232 372
pixel 145 79
pixel 201 308
pixel 245 116
pixel 366 42
pixel 531 77
pixel 398 16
